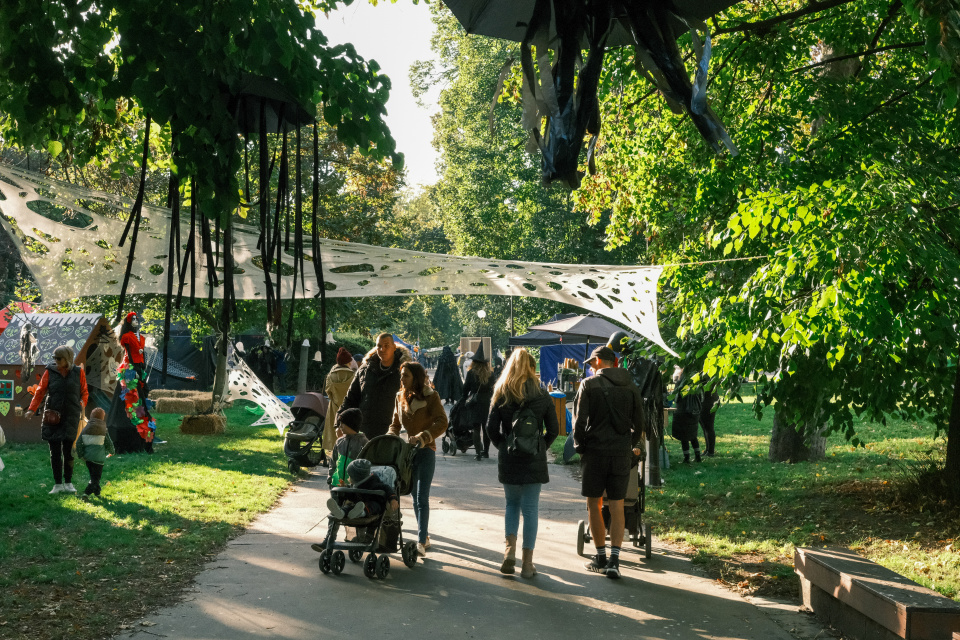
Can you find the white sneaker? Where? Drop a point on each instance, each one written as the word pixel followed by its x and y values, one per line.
pixel 335 509
pixel 427 545
pixel 421 549
pixel 57 488
pixel 357 511
pixel 69 488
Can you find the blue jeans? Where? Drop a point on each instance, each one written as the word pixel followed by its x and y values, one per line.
pixel 424 465
pixel 525 499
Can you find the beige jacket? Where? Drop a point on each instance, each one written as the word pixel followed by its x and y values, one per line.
pixel 420 416
pixel 336 385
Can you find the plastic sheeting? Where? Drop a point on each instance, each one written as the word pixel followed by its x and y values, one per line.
pixel 67 235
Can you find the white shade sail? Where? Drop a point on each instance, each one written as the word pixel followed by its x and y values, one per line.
pixel 67 236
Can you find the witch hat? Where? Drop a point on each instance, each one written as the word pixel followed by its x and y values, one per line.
pixel 479 356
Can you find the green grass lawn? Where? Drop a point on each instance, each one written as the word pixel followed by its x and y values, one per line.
pixel 741 516
pixel 81 569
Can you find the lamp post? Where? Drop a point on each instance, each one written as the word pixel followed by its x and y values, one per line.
pixel 482 314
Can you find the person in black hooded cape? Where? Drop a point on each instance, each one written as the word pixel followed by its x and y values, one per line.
pixel 477 394
pixel 447 380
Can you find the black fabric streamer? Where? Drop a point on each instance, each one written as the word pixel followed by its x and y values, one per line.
pixel 135 216
pixel 317 257
pixel 173 201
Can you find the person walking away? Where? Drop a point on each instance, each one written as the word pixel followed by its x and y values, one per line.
pixel 685 422
pixel 419 411
pixel 376 384
pixel 607 433
pixel 335 386
pixel 518 398
pixel 477 394
pixel 708 419
pixel 93 445
pixel 64 386
pixel 447 380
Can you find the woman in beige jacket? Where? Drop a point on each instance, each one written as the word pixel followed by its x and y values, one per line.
pixel 419 410
pixel 335 386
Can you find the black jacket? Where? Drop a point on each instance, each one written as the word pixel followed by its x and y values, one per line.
pixel 64 394
pixel 608 414
pixel 476 398
pixel 517 469
pixel 373 391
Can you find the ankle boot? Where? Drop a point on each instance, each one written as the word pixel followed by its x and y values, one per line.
pixel 527 570
pixel 686 458
pixel 509 556
pixel 697 457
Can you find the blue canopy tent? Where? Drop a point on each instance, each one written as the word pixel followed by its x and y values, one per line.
pixel 552 356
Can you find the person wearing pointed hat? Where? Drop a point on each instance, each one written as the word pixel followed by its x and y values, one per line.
pixel 477 393
pixel 335 386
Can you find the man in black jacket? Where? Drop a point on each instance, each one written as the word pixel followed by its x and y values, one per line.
pixel 374 388
pixel 607 432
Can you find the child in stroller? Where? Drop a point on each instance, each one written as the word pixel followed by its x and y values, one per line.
pixel 386 463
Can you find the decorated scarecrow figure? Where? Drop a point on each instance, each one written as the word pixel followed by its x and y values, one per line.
pixel 133 380
pixel 29 350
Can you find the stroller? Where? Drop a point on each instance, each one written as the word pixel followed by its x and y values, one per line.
pixel 633 507
pixel 459 435
pixel 392 460
pixel 301 443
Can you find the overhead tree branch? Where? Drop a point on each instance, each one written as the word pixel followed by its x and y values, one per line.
pixel 868 52
pixel 764 25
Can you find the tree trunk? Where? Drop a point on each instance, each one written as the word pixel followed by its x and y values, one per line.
pixel 952 470
pixel 787 444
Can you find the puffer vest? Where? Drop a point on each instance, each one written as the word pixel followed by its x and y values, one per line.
pixel 63 395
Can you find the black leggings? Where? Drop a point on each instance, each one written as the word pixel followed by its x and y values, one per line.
pixel 96 472
pixel 61 460
pixel 481 441
pixel 707 420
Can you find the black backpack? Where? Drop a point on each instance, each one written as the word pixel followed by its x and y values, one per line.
pixel 525 439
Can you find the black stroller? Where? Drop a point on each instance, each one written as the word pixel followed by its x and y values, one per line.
pixel 459 435
pixel 301 443
pixel 633 507
pixel 392 460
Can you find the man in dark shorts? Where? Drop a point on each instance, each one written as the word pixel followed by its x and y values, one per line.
pixel 607 432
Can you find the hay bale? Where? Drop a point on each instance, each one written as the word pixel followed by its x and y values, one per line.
pixel 204 425
pixel 162 393
pixel 202 404
pixel 175 405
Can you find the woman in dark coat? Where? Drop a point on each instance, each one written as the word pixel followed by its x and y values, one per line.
pixel 477 394
pixel 447 379
pixel 521 476
pixel 65 387
pixel 686 421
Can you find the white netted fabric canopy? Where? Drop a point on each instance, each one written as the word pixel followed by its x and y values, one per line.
pixel 67 236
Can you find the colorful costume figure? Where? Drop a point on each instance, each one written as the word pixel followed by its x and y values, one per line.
pixel 133 380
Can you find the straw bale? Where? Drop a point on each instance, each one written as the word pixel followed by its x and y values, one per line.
pixel 203 425
pixel 176 405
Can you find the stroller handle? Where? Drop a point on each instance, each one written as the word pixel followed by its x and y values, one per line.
pixel 366 492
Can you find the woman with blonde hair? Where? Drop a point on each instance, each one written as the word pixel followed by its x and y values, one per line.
pixel 419 410
pixel 64 385
pixel 522 475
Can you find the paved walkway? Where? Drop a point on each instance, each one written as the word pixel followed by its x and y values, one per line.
pixel 267 584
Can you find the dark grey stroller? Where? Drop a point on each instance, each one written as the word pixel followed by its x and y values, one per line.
pixel 301 443
pixel 392 460
pixel 633 507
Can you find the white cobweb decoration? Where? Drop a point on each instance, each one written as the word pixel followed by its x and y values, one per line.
pixel 243 384
pixel 66 235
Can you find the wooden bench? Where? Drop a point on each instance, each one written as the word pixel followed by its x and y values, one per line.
pixel 869 602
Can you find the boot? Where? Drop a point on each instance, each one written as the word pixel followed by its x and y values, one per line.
pixel 696 453
pixel 527 570
pixel 509 556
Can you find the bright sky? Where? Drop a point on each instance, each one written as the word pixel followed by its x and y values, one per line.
pixel 395 35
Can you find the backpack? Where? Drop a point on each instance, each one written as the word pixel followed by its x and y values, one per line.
pixel 525 439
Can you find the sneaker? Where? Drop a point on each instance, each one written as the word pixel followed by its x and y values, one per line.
pixel 613 568
pixel 427 544
pixel 319 547
pixel 89 490
pixel 335 509
pixel 159 441
pixel 479 456
pixel 69 488
pixel 597 564
pixel 486 454
pixel 57 488
pixel 357 511
pixel 421 549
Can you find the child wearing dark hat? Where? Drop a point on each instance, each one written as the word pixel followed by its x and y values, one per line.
pixel 93 445
pixel 349 443
pixel 345 504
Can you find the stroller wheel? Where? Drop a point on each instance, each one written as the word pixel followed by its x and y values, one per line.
pixel 325 560
pixel 445 446
pixel 383 566
pixel 337 563
pixel 409 554
pixel 355 555
pixel 581 537
pixel 293 467
pixel 370 566
pixel 453 449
